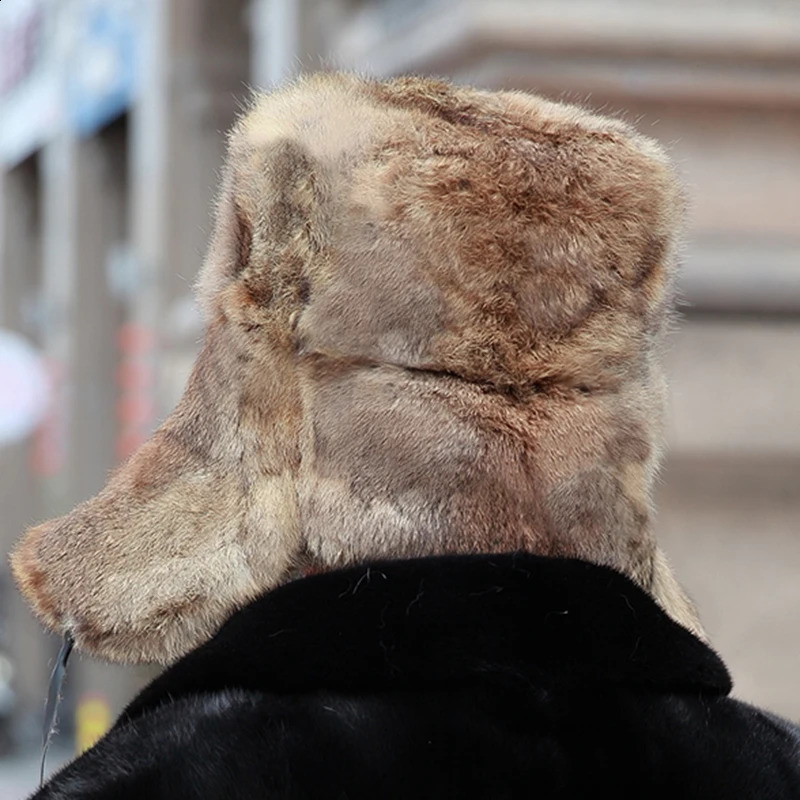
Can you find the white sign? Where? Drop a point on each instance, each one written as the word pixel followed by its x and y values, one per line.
pixel 24 387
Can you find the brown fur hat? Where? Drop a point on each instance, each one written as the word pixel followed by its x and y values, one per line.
pixel 434 322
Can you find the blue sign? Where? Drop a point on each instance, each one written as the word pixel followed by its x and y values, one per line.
pixel 102 75
pixel 30 99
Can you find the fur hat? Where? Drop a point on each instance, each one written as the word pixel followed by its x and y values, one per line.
pixel 435 317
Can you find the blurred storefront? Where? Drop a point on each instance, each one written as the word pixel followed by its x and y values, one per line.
pixel 113 117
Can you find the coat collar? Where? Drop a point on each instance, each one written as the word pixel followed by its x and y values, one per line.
pixel 452 620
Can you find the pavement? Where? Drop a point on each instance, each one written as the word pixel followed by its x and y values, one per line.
pixel 19 774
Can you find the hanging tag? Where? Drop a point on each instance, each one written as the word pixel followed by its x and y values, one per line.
pixel 54 698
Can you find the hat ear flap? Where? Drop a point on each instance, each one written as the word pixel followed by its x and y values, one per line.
pixel 230 246
pixel 243 239
pixel 271 225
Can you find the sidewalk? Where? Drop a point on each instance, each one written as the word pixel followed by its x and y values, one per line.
pixel 19 775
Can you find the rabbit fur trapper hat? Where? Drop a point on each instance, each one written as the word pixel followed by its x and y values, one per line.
pixel 435 318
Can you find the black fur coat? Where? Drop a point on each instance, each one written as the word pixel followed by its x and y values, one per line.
pixel 492 677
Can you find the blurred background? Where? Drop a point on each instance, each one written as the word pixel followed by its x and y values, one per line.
pixel 112 121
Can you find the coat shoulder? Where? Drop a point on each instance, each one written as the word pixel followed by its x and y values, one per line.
pixel 467 742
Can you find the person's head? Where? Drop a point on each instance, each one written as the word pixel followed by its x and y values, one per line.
pixel 434 317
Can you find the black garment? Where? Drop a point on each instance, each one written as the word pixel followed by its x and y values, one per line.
pixel 508 676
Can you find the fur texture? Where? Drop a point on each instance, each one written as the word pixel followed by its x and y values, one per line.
pixel 434 321
pixel 481 677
